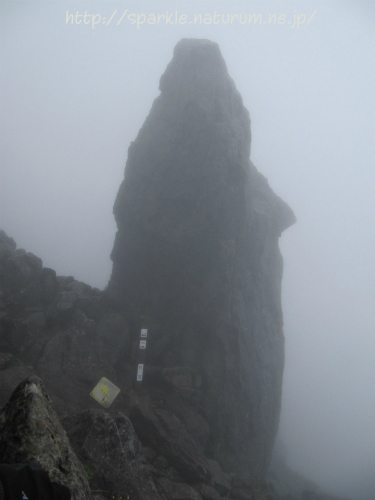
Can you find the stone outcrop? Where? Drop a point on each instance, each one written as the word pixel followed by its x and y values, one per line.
pixel 30 431
pixel 12 373
pixel 72 344
pixel 108 446
pixel 162 430
pixel 61 329
pixel 197 252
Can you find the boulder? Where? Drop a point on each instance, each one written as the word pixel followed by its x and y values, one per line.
pixel 108 446
pixel 30 431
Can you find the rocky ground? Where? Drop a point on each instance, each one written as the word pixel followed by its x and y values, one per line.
pixel 63 336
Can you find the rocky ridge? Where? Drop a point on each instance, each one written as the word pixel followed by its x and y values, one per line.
pixel 62 330
pixel 196 252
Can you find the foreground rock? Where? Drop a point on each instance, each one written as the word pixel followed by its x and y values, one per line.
pixel 30 431
pixel 110 449
pixel 197 252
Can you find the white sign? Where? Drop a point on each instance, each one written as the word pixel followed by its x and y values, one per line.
pixel 140 373
pixel 142 344
pixel 143 332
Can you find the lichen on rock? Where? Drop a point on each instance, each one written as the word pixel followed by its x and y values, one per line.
pixel 30 431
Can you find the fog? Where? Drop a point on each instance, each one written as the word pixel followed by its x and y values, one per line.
pixel 73 97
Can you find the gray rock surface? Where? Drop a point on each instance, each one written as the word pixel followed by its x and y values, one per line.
pixel 7 245
pixel 72 363
pixel 207 492
pixel 11 375
pixel 177 491
pixel 220 480
pixel 108 446
pixel 160 429
pixel 30 430
pixel 61 329
pixel 197 251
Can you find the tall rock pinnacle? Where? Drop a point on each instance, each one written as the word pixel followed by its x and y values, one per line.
pixel 197 252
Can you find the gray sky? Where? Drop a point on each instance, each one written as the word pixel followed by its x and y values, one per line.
pixel 73 96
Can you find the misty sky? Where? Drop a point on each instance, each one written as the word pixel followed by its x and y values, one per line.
pixel 73 96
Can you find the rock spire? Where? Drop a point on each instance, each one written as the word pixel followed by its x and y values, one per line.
pixel 197 252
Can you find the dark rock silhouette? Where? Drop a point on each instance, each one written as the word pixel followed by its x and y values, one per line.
pixel 197 252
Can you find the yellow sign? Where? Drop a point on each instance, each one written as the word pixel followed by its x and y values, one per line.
pixel 105 392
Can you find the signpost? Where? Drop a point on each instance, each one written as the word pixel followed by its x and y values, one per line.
pixel 141 352
pixel 105 392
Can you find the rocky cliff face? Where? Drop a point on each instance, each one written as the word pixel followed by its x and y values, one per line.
pixel 72 335
pixel 197 253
